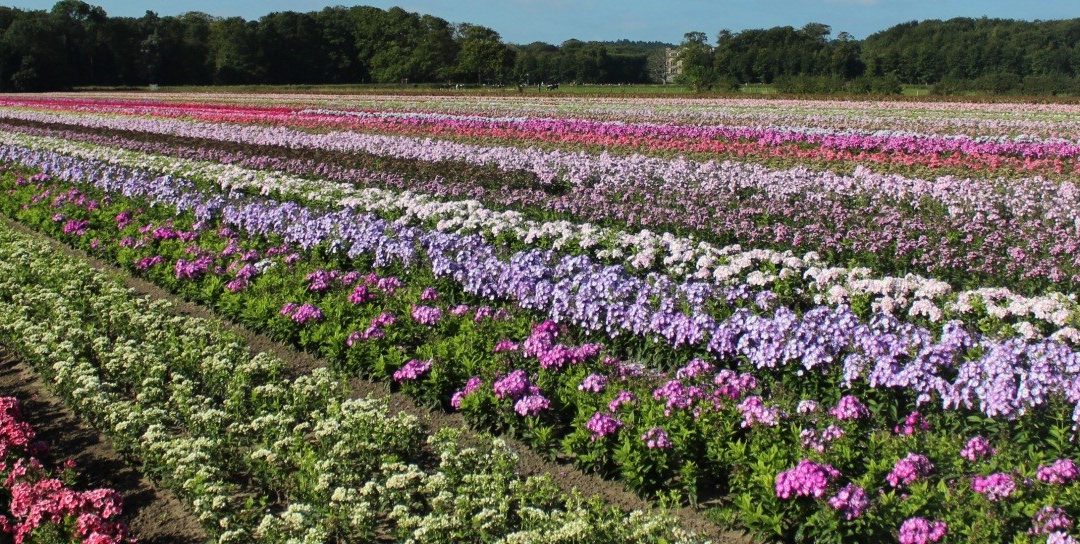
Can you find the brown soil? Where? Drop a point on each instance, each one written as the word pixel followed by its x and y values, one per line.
pixel 567 477
pixel 154 515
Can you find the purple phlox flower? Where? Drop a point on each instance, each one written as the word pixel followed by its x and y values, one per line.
pixel 849 408
pixel 593 383
pixel 919 530
pixel 806 406
pixel 1050 519
pixel 807 479
pixel 601 425
pixel 505 345
pixel 1060 537
pixel 472 385
pixel 429 294
pixel 531 405
pixel 360 295
pixel 412 370
pixel 977 448
pixel 732 385
pixel 621 398
pixel 76 227
pixel 459 310
pixel 754 412
pixel 512 386
pixel 912 423
pixel 851 501
pixel 146 263
pixel 321 281
pixel 1059 472
pixel 909 469
pixel 388 285
pixel 995 486
pixel 693 369
pixel 656 439
pixel 426 315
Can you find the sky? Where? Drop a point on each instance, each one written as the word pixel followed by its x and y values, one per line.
pixel 554 21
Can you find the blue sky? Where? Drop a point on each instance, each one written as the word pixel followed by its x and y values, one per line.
pixel 523 21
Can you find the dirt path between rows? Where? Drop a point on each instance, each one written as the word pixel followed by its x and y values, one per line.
pixel 530 463
pixel 154 515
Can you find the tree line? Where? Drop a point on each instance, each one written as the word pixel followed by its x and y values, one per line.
pixel 77 44
pixel 961 54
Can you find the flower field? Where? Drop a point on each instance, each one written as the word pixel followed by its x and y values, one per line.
pixel 805 321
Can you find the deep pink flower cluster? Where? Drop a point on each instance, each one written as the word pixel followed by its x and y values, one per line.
pixel 1059 472
pixel 301 313
pixel 994 487
pixel 1049 519
pixel 851 501
pixel 909 469
pixel 429 294
pixel 472 385
pixel 601 425
pixel 912 423
pixel 656 439
pixel 807 479
pixel 506 345
pixel 37 499
pixel 849 408
pixel 412 370
pixel 918 530
pixel 426 315
pixel 977 448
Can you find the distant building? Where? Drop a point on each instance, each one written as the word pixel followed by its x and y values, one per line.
pixel 672 64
